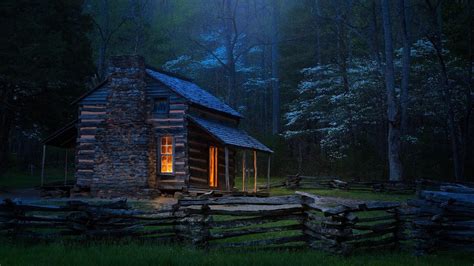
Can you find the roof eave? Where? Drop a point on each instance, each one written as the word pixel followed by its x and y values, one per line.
pixel 269 151
pixel 102 83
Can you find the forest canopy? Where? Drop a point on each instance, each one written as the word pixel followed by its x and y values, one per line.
pixel 363 89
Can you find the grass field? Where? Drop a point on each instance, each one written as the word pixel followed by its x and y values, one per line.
pixel 14 178
pixel 261 181
pixel 141 254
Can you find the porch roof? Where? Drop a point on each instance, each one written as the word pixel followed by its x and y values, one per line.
pixel 229 135
pixel 64 137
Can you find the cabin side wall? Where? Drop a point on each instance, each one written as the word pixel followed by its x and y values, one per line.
pixel 172 124
pixel 92 112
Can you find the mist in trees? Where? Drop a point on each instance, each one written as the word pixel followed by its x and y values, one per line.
pixel 366 89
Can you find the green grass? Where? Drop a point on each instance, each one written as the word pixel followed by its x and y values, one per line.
pixel 15 178
pixel 150 254
pixel 360 195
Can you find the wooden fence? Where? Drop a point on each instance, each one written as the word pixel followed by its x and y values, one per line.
pixel 444 219
pixel 80 220
pixel 313 182
pixel 296 221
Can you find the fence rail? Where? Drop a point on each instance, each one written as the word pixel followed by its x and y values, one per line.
pixel 302 220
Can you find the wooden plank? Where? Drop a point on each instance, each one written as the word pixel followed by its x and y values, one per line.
pixel 268 172
pixel 254 171
pixel 227 180
pixel 277 200
pixel 243 169
pixel 251 231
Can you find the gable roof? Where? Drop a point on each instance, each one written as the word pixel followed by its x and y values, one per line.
pixel 187 89
pixel 193 92
pixel 229 135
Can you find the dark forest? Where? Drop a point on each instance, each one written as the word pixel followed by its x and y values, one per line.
pixel 359 89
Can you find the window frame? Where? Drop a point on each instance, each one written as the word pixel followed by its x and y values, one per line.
pixel 160 154
pixel 167 102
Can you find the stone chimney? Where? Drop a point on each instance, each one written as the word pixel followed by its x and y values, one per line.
pixel 121 158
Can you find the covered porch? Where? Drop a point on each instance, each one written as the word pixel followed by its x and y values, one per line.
pixel 230 140
pixel 63 140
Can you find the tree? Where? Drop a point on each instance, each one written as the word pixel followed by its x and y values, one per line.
pixel 40 74
pixel 457 120
pixel 405 67
pixel 275 75
pixel 393 115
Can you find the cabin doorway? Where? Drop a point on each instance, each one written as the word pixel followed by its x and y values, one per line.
pixel 213 166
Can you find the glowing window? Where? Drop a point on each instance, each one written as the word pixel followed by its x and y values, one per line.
pixel 213 165
pixel 166 152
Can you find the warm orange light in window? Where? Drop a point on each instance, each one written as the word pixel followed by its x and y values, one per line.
pixel 167 154
pixel 213 164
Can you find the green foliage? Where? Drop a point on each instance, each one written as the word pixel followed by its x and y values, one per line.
pixel 40 44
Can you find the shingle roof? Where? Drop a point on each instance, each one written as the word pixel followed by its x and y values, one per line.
pixel 193 93
pixel 229 135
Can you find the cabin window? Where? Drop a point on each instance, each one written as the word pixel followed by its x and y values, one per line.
pixel 213 165
pixel 166 152
pixel 160 106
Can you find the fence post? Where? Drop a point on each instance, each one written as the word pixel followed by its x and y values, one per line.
pixel 398 234
pixel 305 221
pixel 194 227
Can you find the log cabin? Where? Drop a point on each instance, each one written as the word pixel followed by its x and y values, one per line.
pixel 143 131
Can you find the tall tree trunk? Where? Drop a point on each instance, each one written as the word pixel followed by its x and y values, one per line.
pixel 275 75
pixel 405 68
pixel 469 98
pixel 229 43
pixel 394 163
pixel 138 8
pixel 375 36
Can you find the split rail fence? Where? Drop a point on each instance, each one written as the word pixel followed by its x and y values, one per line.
pixel 444 219
pixel 295 221
pixel 302 220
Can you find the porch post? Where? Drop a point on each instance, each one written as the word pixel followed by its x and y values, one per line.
pixel 227 181
pixel 42 165
pixel 255 171
pixel 268 171
pixel 65 169
pixel 243 170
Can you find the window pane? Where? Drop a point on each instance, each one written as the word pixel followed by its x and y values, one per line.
pixel 160 106
pixel 166 164
pixel 166 150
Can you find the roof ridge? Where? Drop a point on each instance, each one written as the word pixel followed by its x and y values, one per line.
pixel 193 93
pixel 169 73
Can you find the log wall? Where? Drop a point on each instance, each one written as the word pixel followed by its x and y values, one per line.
pixel 199 142
pixel 175 124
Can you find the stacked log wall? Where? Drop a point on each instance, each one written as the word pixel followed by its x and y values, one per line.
pixel 199 142
pixel 174 124
pixel 91 114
